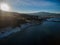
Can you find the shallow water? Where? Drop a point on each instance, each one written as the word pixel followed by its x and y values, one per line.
pixel 9 30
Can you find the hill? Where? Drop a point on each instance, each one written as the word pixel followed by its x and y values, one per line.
pixel 45 14
pixel 15 19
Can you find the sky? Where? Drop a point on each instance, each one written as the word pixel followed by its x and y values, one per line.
pixel 30 6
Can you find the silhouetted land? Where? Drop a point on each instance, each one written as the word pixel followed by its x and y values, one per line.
pixel 12 19
pixel 37 35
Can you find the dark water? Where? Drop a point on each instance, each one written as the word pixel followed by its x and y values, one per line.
pixel 47 33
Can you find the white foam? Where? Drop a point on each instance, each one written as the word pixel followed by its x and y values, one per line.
pixel 10 31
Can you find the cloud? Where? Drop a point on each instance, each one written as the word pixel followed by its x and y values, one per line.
pixel 42 3
pixel 31 3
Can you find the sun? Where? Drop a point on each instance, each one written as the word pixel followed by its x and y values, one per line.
pixel 4 7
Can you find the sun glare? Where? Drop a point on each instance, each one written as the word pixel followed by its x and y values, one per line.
pixel 4 7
